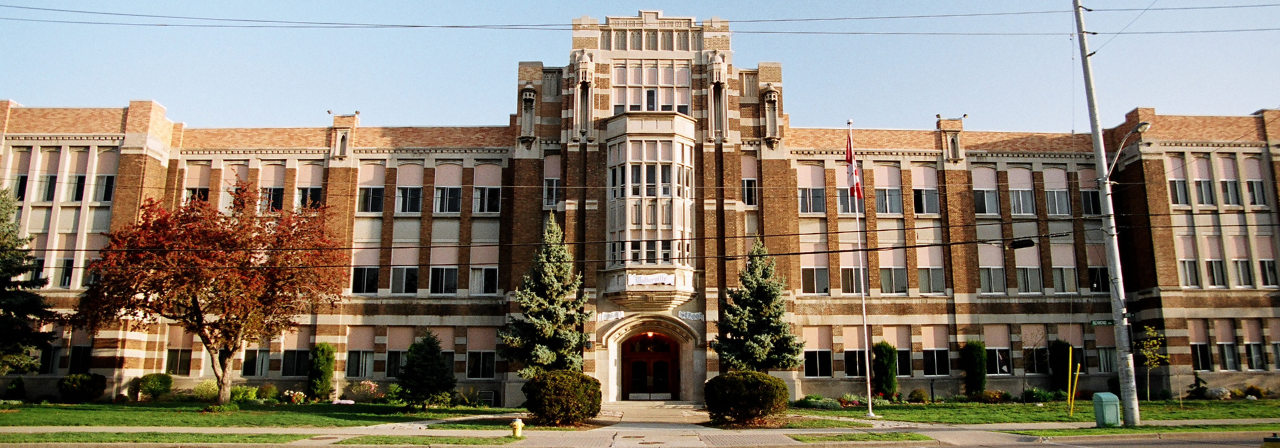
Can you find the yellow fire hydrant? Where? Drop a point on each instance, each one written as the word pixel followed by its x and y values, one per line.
pixel 517 427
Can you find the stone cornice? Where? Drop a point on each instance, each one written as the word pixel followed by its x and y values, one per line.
pixel 37 137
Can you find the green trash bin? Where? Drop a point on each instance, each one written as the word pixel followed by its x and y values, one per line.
pixel 1106 409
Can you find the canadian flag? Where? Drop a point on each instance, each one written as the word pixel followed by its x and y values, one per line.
pixel 855 179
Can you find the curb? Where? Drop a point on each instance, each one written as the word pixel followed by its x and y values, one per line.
pixel 1160 436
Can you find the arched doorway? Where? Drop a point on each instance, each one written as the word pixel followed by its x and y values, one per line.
pixel 650 367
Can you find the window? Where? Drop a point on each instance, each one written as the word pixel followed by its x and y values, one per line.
pixel 89 277
pixel 1229 356
pixel 937 362
pixel 178 362
pixel 484 280
pixel 855 363
pixel 552 192
pixel 815 281
pixel 370 199
pixel 409 200
pixel 395 362
pixel 651 252
pixel 1244 273
pixel 1268 270
pixel 1029 280
pixel 893 280
pixel 448 200
pixel 650 180
pixel 991 280
pixel 1204 192
pixel 82 354
pixel 295 363
pixel 850 204
pixel 926 201
pixel 487 200
pixel 1022 202
pixel 256 362
pixel 198 194
pixel 20 188
pixel 359 364
pixel 37 269
pixel 1100 279
pixel 986 202
pixel 931 281
pixel 1064 279
pixel 1257 195
pixel 50 183
pixel 272 199
pixel 1107 359
pixel 904 361
pixel 76 194
pixel 105 190
pixel 853 280
pixel 48 360
pixel 817 363
pixel 1036 360
pixel 364 280
pixel 998 361
pixel 444 280
pixel 813 200
pixel 309 197
pixel 750 192
pixel 404 280
pixel 1178 192
pixel 1275 353
pixel 1091 202
pixel 1230 192
pixel 1255 357
pixel 889 201
pixel 480 364
pixel 64 274
pixel 1058 202
pixel 1200 358
pixel 1217 272
pixel 1190 273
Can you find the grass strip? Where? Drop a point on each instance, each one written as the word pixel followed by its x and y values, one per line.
pixel 820 423
pixel 146 437
pixel 1147 430
pixel 190 415
pixel 495 424
pixel 860 437
pixel 977 413
pixel 428 440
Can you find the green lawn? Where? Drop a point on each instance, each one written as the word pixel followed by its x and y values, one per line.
pixel 428 440
pixel 495 423
pixel 1148 430
pixel 971 413
pixel 860 437
pixel 188 414
pixel 147 437
pixel 812 423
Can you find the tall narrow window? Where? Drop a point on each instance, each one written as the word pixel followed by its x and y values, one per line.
pixel 76 193
pixel 750 192
pixel 105 188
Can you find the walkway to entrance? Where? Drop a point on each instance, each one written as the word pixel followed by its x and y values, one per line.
pixel 654 414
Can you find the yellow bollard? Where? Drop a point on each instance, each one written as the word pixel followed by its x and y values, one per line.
pixel 517 427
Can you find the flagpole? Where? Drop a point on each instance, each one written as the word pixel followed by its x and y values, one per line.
pixel 856 197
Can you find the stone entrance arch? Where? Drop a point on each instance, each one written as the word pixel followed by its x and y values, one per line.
pixel 687 357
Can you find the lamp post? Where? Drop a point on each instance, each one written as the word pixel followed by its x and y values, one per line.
pixel 1128 387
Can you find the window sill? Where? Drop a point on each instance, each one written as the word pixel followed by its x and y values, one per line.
pixel 888 215
pixel 486 214
pixel 446 214
pixel 368 214
pixel 934 215
pixel 408 214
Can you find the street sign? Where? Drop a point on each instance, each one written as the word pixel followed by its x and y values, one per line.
pixel 1102 322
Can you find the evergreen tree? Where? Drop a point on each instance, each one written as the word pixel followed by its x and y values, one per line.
pixel 549 336
pixel 426 374
pixel 20 308
pixel 753 334
pixel 320 375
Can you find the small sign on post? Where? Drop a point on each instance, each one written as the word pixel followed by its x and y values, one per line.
pixel 1102 322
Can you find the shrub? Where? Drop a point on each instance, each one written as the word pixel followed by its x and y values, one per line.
pixel 994 396
pixel 851 399
pixel 242 394
pixel 1037 395
pixel 295 397
pixel 229 407
pixel 1251 390
pixel 320 375
pixel 17 390
pixel 562 397
pixel 817 402
pixel 363 392
pixel 973 359
pixel 155 385
pixel 268 392
pixel 884 369
pixel 79 387
pixel 466 397
pixel 917 396
pixel 207 390
pixel 744 397
pixel 958 398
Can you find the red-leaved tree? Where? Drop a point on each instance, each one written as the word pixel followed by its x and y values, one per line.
pixel 226 277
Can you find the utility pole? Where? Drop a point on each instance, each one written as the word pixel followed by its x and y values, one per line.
pixel 1128 388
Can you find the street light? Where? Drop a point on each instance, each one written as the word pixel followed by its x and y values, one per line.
pixel 1140 128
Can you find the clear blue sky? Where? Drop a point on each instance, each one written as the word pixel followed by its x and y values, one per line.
pixel 238 77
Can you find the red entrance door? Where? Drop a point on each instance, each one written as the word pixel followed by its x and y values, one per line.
pixel 650 368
